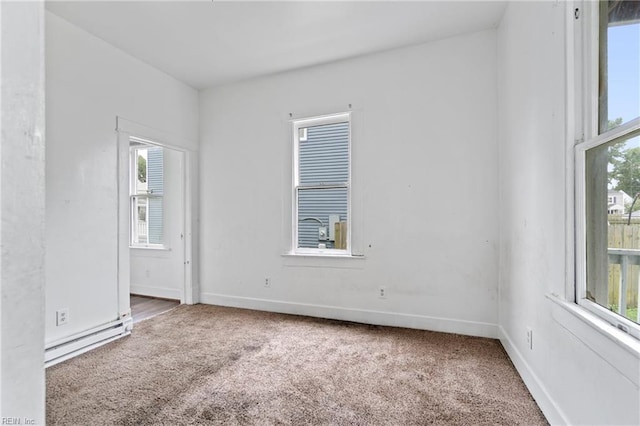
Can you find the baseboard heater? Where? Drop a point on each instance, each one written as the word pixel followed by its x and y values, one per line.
pixel 63 349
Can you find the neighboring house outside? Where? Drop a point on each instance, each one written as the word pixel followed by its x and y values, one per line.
pixel 147 195
pixel 323 154
pixel 616 202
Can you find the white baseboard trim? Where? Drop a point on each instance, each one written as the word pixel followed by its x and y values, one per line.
pixel 69 347
pixel 146 290
pixel 549 408
pixel 445 325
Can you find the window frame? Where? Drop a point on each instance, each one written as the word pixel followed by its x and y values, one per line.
pixel 134 145
pixel 297 124
pixel 587 136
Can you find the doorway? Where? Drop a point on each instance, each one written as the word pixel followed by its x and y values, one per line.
pixel 155 240
pixel 156 227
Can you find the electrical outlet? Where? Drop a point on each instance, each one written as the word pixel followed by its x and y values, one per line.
pixel 530 338
pixel 62 317
pixel 382 292
pixel 267 282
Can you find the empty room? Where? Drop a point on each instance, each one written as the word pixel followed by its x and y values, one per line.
pixel 320 212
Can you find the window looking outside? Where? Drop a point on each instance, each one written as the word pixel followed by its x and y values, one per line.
pixel 146 194
pixel 322 184
pixel 608 165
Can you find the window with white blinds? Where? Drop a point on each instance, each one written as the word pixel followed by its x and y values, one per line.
pixel 322 184
pixel 147 192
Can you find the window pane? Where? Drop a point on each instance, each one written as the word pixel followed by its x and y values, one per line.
pixel 155 170
pixel 147 199
pixel 324 155
pixel 613 225
pixel 156 233
pixel 140 221
pixel 322 208
pixel 141 171
pixel 619 63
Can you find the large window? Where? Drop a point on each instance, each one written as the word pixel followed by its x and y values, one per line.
pixel 608 163
pixel 146 193
pixel 322 185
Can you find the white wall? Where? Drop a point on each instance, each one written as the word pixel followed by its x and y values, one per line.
pixel 22 212
pixel 424 125
pixel 88 84
pixel 577 375
pixel 160 273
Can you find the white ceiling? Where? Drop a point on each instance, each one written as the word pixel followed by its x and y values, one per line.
pixel 204 43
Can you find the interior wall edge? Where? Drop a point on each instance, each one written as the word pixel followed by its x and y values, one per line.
pixel 22 212
pixel 392 319
pixel 164 138
pixel 152 291
pixel 545 401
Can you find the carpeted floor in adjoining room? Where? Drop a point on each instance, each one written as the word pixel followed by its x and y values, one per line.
pixel 213 365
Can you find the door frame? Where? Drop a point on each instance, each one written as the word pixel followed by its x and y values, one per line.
pixel 126 129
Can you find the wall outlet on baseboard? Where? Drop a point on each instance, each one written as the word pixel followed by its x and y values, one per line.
pixel 62 317
pixel 530 338
pixel 382 292
pixel 267 282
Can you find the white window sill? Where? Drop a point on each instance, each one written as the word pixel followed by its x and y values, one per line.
pixel 159 248
pixel 619 349
pixel 325 255
pixel 324 260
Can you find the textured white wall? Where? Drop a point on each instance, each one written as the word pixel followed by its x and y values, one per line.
pixel 424 125
pixel 22 212
pixel 89 83
pixel 572 382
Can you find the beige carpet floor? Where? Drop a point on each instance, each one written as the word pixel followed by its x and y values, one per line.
pixel 213 365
